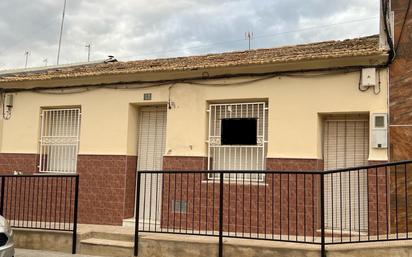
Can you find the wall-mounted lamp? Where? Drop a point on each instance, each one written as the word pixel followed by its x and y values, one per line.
pixel 8 106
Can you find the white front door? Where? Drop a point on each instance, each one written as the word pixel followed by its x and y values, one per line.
pixel 345 145
pixel 151 148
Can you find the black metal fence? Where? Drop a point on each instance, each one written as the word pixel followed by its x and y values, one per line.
pixel 47 202
pixel 361 204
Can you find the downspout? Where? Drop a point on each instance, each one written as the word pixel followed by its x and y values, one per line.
pixel 386 29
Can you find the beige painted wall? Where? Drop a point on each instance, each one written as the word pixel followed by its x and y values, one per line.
pixel 109 117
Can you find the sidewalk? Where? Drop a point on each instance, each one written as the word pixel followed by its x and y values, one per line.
pixel 34 253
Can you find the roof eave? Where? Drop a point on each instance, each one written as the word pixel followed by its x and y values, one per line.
pixel 378 59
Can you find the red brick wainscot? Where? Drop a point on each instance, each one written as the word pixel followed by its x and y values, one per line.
pixel 278 203
pixel 26 163
pixel 106 190
pixel 294 164
pixel 378 183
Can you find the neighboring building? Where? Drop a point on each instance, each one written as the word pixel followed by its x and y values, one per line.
pixel 400 84
pixel 306 107
pixel 400 95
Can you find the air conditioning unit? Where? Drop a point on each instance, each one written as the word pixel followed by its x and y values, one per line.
pixel 380 130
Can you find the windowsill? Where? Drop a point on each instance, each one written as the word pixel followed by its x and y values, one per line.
pixel 52 173
pixel 235 183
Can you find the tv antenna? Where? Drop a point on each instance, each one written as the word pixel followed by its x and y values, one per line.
pixel 88 46
pixel 61 32
pixel 249 37
pixel 26 53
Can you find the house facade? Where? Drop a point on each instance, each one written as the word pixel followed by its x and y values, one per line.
pixel 319 106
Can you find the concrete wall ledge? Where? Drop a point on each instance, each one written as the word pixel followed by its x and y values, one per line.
pixel 227 241
pixel 37 239
pixel 372 245
pixel 169 245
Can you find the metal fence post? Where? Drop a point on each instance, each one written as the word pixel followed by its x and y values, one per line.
pixel 76 204
pixel 221 215
pixel 3 181
pixel 322 216
pixel 136 225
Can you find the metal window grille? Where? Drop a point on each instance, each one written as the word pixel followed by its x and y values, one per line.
pixel 237 157
pixel 59 140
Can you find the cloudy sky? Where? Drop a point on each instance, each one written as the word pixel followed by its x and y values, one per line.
pixel 143 29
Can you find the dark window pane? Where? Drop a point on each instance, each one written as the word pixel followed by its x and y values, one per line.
pixel 239 131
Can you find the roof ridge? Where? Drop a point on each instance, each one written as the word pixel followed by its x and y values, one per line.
pixel 357 47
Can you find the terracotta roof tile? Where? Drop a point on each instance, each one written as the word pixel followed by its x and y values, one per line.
pixel 367 46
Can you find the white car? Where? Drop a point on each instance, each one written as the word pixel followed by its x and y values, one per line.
pixel 6 239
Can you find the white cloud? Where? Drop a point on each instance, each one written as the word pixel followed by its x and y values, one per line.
pixel 135 29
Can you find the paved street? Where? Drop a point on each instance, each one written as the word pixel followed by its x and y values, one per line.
pixel 32 253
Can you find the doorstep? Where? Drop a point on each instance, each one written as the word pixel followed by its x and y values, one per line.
pixel 130 222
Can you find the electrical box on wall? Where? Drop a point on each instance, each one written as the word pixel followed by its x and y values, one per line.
pixel 368 77
pixel 380 130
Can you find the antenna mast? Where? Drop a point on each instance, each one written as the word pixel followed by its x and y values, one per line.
pixel 249 36
pixel 61 32
pixel 88 52
pixel 27 53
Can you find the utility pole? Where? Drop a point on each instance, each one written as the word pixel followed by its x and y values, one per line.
pixel 88 52
pixel 27 53
pixel 45 62
pixel 61 32
pixel 249 36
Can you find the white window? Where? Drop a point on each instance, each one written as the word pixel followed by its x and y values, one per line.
pixel 59 140
pixel 238 137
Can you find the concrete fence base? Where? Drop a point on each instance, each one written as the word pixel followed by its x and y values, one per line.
pixel 166 245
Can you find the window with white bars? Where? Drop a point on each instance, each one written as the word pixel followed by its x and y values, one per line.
pixel 249 155
pixel 59 140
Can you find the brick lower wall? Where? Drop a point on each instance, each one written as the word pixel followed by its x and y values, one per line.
pixel 283 204
pixel 400 198
pixel 130 193
pixel 388 192
pixel 280 204
pixel 286 204
pixel 106 186
pixel 26 163
pixel 290 164
pixel 378 200
pixel 184 163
